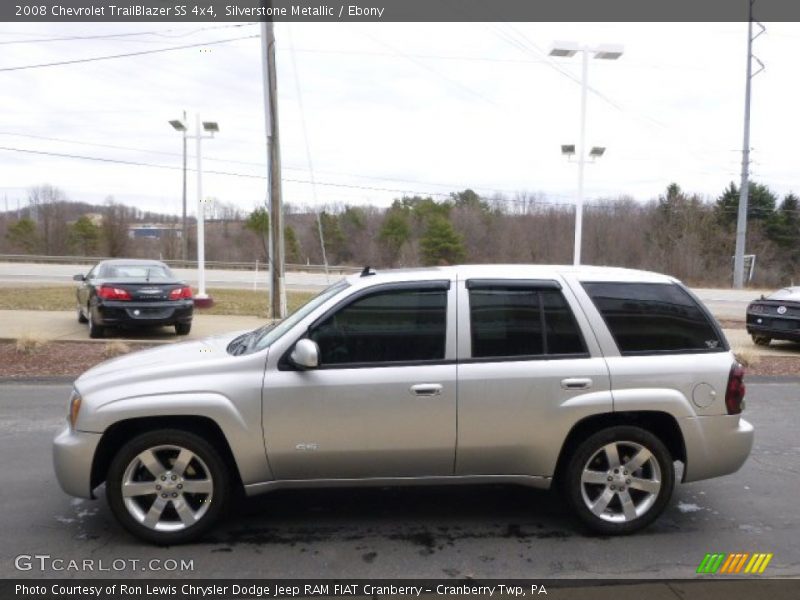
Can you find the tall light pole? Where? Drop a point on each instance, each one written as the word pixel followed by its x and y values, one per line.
pixel 202 300
pixel 181 126
pixel 605 52
pixel 741 218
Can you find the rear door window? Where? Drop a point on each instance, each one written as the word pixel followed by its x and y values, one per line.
pixel 653 318
pixel 519 321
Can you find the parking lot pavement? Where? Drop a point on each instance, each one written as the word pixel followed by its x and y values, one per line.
pixel 494 531
pixel 63 326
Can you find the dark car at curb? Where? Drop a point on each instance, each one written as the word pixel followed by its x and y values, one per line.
pixel 130 293
pixel 775 317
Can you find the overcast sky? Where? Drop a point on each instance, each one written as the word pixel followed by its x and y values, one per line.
pixel 408 108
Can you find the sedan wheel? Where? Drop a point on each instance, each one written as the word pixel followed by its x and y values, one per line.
pixel 167 487
pixel 620 479
pixel 761 340
pixel 95 330
pixel 81 317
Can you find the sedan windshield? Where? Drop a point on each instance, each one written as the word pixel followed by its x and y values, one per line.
pixel 146 272
pixel 265 336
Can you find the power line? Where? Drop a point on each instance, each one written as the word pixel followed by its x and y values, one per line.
pixel 262 165
pixel 523 43
pixel 126 55
pixel 432 70
pixel 161 33
pixel 242 175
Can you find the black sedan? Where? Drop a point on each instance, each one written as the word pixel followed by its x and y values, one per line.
pixel 775 317
pixel 133 293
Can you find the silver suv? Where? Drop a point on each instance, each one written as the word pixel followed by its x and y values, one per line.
pixel 595 379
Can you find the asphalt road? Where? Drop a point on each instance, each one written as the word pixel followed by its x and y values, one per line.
pixel 53 274
pixel 497 531
pixel 724 303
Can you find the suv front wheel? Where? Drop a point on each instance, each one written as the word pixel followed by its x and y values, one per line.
pixel 619 479
pixel 167 486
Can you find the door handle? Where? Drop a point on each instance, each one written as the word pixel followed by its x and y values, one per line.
pixel 426 389
pixel 576 383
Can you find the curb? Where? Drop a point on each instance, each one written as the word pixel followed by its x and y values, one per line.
pixel 42 380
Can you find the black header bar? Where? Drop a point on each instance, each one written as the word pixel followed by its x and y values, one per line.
pixel 172 11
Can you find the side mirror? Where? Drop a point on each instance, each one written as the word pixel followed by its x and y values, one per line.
pixel 305 354
pixel 79 277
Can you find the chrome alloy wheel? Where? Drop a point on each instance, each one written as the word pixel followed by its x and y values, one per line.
pixel 621 481
pixel 167 488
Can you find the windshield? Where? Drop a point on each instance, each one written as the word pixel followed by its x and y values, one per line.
pixel 146 272
pixel 265 336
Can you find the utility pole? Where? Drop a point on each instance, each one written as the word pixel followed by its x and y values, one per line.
pixel 276 247
pixel 741 220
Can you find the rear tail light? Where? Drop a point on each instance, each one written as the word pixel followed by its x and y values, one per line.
pixel 734 394
pixel 182 293
pixel 107 292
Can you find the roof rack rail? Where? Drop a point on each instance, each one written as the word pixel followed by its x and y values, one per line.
pixel 367 271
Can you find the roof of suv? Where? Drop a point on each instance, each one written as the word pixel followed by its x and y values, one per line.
pixel 583 273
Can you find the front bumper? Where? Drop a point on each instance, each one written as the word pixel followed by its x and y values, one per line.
pixel 138 314
pixel 73 453
pixel 716 445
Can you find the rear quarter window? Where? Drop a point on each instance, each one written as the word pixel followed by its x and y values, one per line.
pixel 653 318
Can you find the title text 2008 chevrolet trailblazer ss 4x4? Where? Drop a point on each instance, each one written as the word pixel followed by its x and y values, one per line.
pixel 596 379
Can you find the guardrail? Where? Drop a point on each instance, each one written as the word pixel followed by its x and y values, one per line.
pixel 177 264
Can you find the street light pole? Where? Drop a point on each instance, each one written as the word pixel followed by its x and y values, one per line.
pixel 182 127
pixel 576 255
pixel 201 221
pixel 606 52
pixel 185 226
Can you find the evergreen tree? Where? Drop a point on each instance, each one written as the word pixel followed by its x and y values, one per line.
pixel 441 243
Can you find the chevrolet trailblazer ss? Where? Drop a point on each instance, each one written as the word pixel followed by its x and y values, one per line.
pixel 593 379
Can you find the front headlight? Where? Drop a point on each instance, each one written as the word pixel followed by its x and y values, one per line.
pixel 74 408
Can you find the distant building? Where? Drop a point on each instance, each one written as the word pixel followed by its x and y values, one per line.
pixel 95 218
pixel 154 231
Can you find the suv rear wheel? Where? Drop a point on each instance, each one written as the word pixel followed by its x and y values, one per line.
pixel 167 486
pixel 619 479
pixel 761 340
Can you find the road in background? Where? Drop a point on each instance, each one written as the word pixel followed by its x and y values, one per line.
pixel 50 274
pixel 724 303
pixel 479 532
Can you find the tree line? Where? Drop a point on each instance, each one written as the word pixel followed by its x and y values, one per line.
pixel 678 233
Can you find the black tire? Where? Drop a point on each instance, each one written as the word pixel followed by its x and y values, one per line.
pixel 183 328
pixel 95 331
pixel 209 459
pixel 626 440
pixel 761 340
pixel 81 317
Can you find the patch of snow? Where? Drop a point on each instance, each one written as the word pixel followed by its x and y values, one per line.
pixel 687 507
